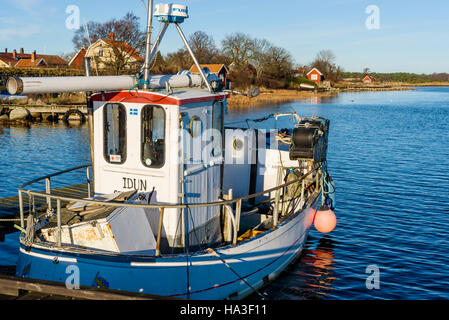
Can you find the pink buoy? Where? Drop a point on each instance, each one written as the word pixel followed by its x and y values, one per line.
pixel 325 220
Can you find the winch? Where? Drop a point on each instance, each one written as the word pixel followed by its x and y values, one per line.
pixel 309 140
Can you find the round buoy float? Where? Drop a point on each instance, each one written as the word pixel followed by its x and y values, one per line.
pixel 325 220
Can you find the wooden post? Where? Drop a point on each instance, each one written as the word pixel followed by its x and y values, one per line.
pixel 88 182
pixel 227 220
pixel 159 232
pixel 276 199
pixel 48 191
pixel 58 215
pixel 22 218
pixel 238 211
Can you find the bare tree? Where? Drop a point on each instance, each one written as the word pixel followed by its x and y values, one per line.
pixel 259 57
pixel 203 46
pixel 238 47
pixel 179 60
pixel 127 41
pixel 325 62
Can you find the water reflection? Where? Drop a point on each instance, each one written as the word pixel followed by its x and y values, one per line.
pixel 319 265
pixel 310 277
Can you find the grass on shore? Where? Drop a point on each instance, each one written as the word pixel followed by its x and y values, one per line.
pixel 278 96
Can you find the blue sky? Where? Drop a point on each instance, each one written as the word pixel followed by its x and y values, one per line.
pixel 413 36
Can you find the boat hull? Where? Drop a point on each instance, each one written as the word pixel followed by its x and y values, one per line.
pixel 249 265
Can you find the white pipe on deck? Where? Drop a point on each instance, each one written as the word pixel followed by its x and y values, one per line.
pixel 102 83
pixel 68 84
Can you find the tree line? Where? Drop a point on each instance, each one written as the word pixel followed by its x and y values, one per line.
pixel 250 60
pixel 400 76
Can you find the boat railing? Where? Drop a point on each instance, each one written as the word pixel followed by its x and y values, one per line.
pixel 226 203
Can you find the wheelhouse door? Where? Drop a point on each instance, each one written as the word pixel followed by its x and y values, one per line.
pixel 202 155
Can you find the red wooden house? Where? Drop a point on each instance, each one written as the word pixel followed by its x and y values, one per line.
pixel 77 61
pixel 219 69
pixel 368 79
pixel 315 75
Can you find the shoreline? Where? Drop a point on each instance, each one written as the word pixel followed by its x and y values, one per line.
pixel 281 96
pixel 267 97
pixel 275 97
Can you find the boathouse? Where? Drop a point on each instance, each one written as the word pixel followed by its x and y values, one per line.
pixel 368 79
pixel 315 75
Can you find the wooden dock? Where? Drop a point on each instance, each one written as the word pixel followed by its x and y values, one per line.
pixel 49 109
pixel 14 288
pixel 9 207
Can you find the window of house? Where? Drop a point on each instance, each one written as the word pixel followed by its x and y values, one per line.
pixel 101 53
pixel 314 77
pixel 153 136
pixel 114 118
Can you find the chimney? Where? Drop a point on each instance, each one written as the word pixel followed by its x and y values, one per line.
pixel 33 56
pixel 111 36
pixel 21 51
pixel 14 54
pixel 6 50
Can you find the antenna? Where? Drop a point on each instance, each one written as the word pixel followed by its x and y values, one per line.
pixel 148 44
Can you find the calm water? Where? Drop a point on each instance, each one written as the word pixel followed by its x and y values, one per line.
pixel 389 157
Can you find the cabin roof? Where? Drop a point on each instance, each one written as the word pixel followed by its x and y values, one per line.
pixel 316 70
pixel 214 68
pixel 181 96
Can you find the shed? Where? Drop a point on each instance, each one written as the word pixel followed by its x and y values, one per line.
pixel 368 79
pixel 315 75
pixel 218 69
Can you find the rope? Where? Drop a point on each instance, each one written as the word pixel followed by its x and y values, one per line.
pixel 325 184
pixel 233 271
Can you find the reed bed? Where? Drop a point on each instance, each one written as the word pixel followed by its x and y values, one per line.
pixel 270 97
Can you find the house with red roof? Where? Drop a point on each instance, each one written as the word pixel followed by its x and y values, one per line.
pixel 315 75
pixel 21 59
pixel 218 69
pixel 77 61
pixel 368 79
pixel 106 52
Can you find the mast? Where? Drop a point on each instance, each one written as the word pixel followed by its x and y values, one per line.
pixel 148 44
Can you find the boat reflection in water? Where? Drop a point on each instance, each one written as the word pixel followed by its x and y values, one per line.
pixel 311 277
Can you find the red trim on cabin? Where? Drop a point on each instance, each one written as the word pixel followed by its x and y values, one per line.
pixel 147 97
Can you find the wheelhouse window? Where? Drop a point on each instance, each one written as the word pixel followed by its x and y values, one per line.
pixel 153 136
pixel 114 115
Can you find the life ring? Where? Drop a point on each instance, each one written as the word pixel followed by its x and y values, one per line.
pixel 73 111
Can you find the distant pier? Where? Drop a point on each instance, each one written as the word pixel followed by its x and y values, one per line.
pixel 21 113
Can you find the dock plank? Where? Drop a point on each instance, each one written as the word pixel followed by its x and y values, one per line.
pixel 10 206
pixel 44 290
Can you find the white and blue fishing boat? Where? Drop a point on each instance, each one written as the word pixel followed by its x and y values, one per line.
pixel 179 204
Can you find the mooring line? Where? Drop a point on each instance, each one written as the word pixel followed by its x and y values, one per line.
pixel 229 267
